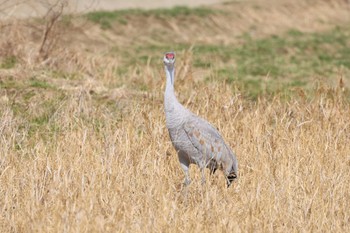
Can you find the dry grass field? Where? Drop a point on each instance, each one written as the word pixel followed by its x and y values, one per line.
pixel 83 143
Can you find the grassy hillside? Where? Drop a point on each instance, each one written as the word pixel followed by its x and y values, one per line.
pixel 82 131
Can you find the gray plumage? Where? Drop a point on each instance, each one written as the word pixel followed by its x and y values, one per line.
pixel 195 140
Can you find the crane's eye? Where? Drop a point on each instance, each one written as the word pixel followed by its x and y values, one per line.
pixel 170 56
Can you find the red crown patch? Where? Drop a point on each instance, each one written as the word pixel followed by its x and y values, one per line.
pixel 170 55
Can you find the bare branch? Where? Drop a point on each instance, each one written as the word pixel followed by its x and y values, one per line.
pixel 53 15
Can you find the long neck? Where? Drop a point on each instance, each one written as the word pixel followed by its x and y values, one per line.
pixel 175 113
pixel 170 77
pixel 169 96
pixel 171 103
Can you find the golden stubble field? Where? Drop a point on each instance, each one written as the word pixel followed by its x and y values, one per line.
pixel 101 173
pixel 87 153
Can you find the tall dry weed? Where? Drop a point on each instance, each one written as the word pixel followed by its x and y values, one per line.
pixel 91 168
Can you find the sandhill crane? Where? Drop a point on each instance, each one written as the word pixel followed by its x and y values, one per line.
pixel 195 140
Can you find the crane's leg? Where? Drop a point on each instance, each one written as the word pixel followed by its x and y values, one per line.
pixel 185 165
pixel 203 175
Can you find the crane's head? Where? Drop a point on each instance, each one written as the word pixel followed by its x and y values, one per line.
pixel 169 59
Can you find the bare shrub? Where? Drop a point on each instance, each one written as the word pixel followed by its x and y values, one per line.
pixel 49 38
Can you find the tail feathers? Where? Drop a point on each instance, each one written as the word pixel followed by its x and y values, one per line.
pixel 213 166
